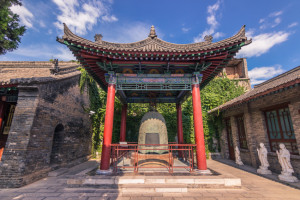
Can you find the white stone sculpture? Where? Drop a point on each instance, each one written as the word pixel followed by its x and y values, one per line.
pixel 284 160
pixel 238 157
pixel 263 158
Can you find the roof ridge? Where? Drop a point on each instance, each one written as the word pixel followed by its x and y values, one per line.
pixel 277 77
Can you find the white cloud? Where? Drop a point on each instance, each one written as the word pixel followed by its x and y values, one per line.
pixel 64 54
pixel 276 22
pixel 43 51
pixel 276 14
pixel 111 18
pixel 81 16
pixel 293 24
pixel 269 21
pixel 42 24
pixel 211 21
pixel 261 74
pixel 261 21
pixel 25 15
pixel 262 43
pixel 50 32
pixel 218 35
pixel 129 32
pixel 185 30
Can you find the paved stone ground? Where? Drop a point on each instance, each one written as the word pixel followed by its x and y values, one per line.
pixel 253 187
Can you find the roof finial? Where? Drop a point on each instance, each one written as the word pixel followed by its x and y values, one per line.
pixel 152 32
pixel 98 37
pixel 208 38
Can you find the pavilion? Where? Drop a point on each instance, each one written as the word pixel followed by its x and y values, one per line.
pixel 153 71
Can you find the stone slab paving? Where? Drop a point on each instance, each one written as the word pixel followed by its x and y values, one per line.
pixel 253 187
pixel 253 170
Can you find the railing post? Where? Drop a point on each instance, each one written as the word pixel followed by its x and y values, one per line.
pixel 123 123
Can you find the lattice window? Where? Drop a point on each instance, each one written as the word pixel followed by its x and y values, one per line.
pixel 280 129
pixel 241 132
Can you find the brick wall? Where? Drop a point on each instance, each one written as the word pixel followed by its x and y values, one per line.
pixel 256 131
pixel 40 109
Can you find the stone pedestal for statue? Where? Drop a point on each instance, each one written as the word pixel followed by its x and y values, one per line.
pixel 262 170
pixel 263 158
pixel 287 169
pixel 288 177
pixel 238 159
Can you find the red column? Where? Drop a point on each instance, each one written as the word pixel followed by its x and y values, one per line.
pixel 2 142
pixel 123 123
pixel 108 127
pixel 198 124
pixel 179 127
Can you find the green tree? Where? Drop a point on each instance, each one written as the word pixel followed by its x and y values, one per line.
pixel 10 30
pixel 216 92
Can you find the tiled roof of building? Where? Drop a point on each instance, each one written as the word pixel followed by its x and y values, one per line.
pixel 22 72
pixel 153 44
pixel 282 82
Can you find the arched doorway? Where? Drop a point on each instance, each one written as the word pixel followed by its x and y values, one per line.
pixel 56 145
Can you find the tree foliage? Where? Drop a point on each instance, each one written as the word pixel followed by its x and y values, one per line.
pixel 217 92
pixel 97 99
pixel 10 30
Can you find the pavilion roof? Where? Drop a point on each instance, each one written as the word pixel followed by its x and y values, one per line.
pixel 153 54
pixel 154 44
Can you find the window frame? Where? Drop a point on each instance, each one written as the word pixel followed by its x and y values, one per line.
pixel 276 108
pixel 240 134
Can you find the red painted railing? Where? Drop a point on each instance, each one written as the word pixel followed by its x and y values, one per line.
pixel 131 151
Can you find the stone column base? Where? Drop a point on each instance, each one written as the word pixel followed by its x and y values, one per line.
pixel 104 172
pixel 287 178
pixel 204 172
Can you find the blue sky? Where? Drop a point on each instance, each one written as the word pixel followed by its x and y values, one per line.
pixel 274 27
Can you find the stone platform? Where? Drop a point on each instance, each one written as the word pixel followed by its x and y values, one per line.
pixel 142 183
pixel 149 180
pixel 56 188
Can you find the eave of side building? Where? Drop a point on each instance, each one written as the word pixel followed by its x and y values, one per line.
pixel 285 81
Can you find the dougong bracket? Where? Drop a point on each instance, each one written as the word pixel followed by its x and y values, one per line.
pixel 197 78
pixel 111 78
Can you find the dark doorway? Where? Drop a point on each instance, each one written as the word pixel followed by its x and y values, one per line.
pixel 229 139
pixel 56 145
pixel 6 115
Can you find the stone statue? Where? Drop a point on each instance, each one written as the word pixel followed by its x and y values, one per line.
pixel 238 157
pixel 263 158
pixel 284 160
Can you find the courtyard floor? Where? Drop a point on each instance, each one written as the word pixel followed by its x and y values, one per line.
pixel 253 187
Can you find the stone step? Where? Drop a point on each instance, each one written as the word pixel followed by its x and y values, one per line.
pixel 154 182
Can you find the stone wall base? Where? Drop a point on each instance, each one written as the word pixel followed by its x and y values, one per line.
pixel 19 181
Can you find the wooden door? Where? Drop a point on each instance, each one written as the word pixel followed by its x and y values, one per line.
pixel 229 139
pixel 3 138
pixel 6 115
